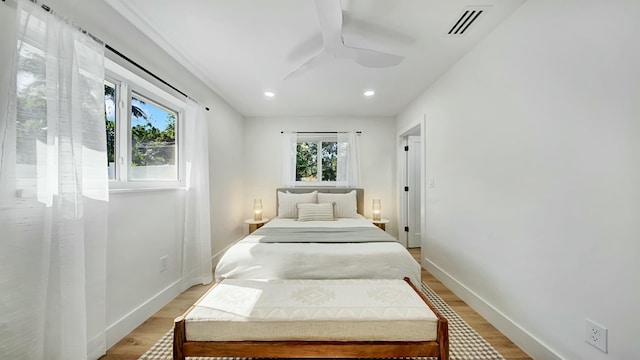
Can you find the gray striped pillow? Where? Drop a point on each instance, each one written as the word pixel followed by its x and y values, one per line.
pixel 315 212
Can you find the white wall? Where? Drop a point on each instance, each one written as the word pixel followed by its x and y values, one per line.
pixel 142 228
pixel 263 159
pixel 532 139
pixel 227 177
pixel 145 226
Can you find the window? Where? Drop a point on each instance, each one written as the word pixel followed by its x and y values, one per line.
pixel 143 131
pixel 320 159
pixel 312 166
pixel 153 140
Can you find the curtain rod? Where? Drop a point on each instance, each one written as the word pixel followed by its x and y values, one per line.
pixel 48 9
pixel 320 132
pixel 126 58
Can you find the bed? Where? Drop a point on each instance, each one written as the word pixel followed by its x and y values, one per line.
pixel 346 247
pixel 319 238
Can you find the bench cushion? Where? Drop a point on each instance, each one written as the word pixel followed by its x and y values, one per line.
pixel 311 310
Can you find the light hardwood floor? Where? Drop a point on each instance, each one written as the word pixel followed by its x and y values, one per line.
pixel 145 335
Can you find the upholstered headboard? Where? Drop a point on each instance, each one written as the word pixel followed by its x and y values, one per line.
pixel 359 194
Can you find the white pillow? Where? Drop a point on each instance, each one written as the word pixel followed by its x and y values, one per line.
pixel 287 203
pixel 315 212
pixel 346 204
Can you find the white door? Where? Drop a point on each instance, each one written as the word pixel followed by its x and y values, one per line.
pixel 414 161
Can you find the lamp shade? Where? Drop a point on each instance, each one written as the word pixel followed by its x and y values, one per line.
pixel 377 209
pixel 257 209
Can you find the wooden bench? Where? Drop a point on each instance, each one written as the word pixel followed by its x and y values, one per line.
pixel 312 319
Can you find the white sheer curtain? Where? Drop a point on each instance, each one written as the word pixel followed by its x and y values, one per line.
pixel 196 255
pixel 348 171
pixel 289 143
pixel 54 192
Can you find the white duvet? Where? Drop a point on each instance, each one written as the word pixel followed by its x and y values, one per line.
pixel 251 259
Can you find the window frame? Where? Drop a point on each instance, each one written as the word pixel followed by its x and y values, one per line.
pixel 318 139
pixel 127 83
pixel 116 87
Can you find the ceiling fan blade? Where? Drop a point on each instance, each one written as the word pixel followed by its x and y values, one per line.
pixel 371 58
pixel 330 18
pixel 313 62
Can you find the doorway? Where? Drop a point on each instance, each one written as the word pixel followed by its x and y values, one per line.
pixel 411 178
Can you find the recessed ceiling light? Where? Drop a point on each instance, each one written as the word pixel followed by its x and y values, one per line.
pixel 269 94
pixel 369 93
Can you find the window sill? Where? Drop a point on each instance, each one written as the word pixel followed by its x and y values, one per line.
pixel 116 191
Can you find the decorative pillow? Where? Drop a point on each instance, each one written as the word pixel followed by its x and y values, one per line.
pixel 315 212
pixel 346 204
pixel 287 203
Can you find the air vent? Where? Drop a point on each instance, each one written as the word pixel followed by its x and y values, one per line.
pixel 468 17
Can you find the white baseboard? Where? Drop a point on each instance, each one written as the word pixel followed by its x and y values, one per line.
pixel 521 337
pixel 121 328
pixel 96 347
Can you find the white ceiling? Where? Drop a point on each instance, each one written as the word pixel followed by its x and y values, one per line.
pixel 242 48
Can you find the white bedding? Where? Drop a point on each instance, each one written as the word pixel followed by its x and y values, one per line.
pixel 343 230
pixel 252 259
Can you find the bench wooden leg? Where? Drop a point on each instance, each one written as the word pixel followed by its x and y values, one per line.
pixel 443 339
pixel 179 337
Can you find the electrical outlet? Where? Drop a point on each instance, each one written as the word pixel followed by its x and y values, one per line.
pixel 164 263
pixel 596 335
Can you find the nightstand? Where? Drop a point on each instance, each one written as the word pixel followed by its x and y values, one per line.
pixel 255 224
pixel 380 223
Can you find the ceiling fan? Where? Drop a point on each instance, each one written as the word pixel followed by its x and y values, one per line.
pixel 330 18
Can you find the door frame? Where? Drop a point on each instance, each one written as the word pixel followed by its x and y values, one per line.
pixel 415 128
pixel 414 195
